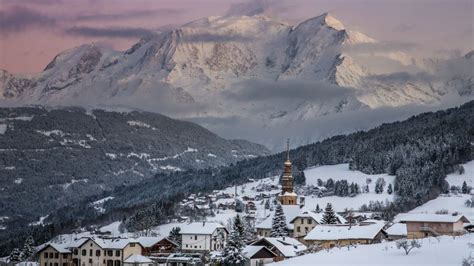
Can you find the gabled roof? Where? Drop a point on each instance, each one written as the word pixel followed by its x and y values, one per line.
pixel 434 218
pixel 339 231
pixel 397 229
pixel 318 217
pixel 200 228
pixel 149 241
pixel 288 246
pixel 57 247
pixel 249 251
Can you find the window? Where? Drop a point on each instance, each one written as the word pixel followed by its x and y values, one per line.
pixel 306 229
pixel 46 255
pixel 51 255
pixel 97 253
pixel 298 229
pixel 302 221
pixel 76 251
pixel 45 264
pixel 310 221
pixel 64 264
pixel 117 263
pixel 117 253
pixel 90 261
pixel 110 253
pixel 64 256
pixel 90 252
pixel 56 255
pixel 195 237
pixel 91 244
pixel 186 245
pixel 132 245
pixel 84 252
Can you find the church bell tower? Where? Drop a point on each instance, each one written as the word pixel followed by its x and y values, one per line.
pixel 288 195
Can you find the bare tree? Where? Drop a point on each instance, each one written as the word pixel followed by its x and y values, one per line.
pixel 408 245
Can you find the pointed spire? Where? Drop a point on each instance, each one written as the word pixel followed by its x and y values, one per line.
pixel 288 149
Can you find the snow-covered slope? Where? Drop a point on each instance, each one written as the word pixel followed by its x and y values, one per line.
pixel 442 251
pixel 246 67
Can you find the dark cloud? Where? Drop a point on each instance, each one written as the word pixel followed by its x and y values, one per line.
pixel 260 90
pixel 127 15
pixel 112 32
pixel 19 18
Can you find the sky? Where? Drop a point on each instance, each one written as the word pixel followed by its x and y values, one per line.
pixel 32 32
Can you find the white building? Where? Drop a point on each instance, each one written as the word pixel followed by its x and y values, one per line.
pixel 203 236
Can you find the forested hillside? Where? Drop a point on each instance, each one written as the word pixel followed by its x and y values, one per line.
pixel 419 152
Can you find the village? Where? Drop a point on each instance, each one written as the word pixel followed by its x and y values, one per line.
pixel 272 224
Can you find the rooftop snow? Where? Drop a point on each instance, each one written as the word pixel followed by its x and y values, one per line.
pixel 288 246
pixel 440 218
pixel 336 232
pixel 397 229
pixel 199 228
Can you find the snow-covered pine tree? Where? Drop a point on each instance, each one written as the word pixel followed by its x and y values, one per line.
pixel 279 227
pixel 28 249
pixel 318 209
pixel 389 189
pixel 232 254
pixel 329 216
pixel 464 188
pixel 175 236
pixel 250 232
pixel 15 255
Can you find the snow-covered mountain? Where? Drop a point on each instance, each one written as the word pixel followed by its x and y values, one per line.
pixel 251 67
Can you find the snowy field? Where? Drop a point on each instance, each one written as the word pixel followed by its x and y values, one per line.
pixel 447 251
pixel 341 171
pixel 468 176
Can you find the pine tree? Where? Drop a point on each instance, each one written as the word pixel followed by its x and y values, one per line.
pixel 464 188
pixel 28 249
pixel 267 204
pixel 279 227
pixel 389 189
pixel 232 254
pixel 329 216
pixel 175 236
pixel 15 255
pixel 318 209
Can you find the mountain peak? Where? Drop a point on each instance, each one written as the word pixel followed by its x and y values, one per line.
pixel 325 19
pixel 332 22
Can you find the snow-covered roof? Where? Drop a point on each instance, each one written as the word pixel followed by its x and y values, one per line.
pixel 436 218
pixel 138 259
pixel 318 217
pixel 290 211
pixel 148 241
pixel 397 229
pixel 339 231
pixel 250 250
pixel 200 228
pixel 60 248
pixel 288 246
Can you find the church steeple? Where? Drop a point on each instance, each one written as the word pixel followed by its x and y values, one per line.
pixel 288 196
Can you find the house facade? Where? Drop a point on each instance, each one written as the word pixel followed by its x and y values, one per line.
pixel 89 252
pixel 424 225
pixel 203 237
